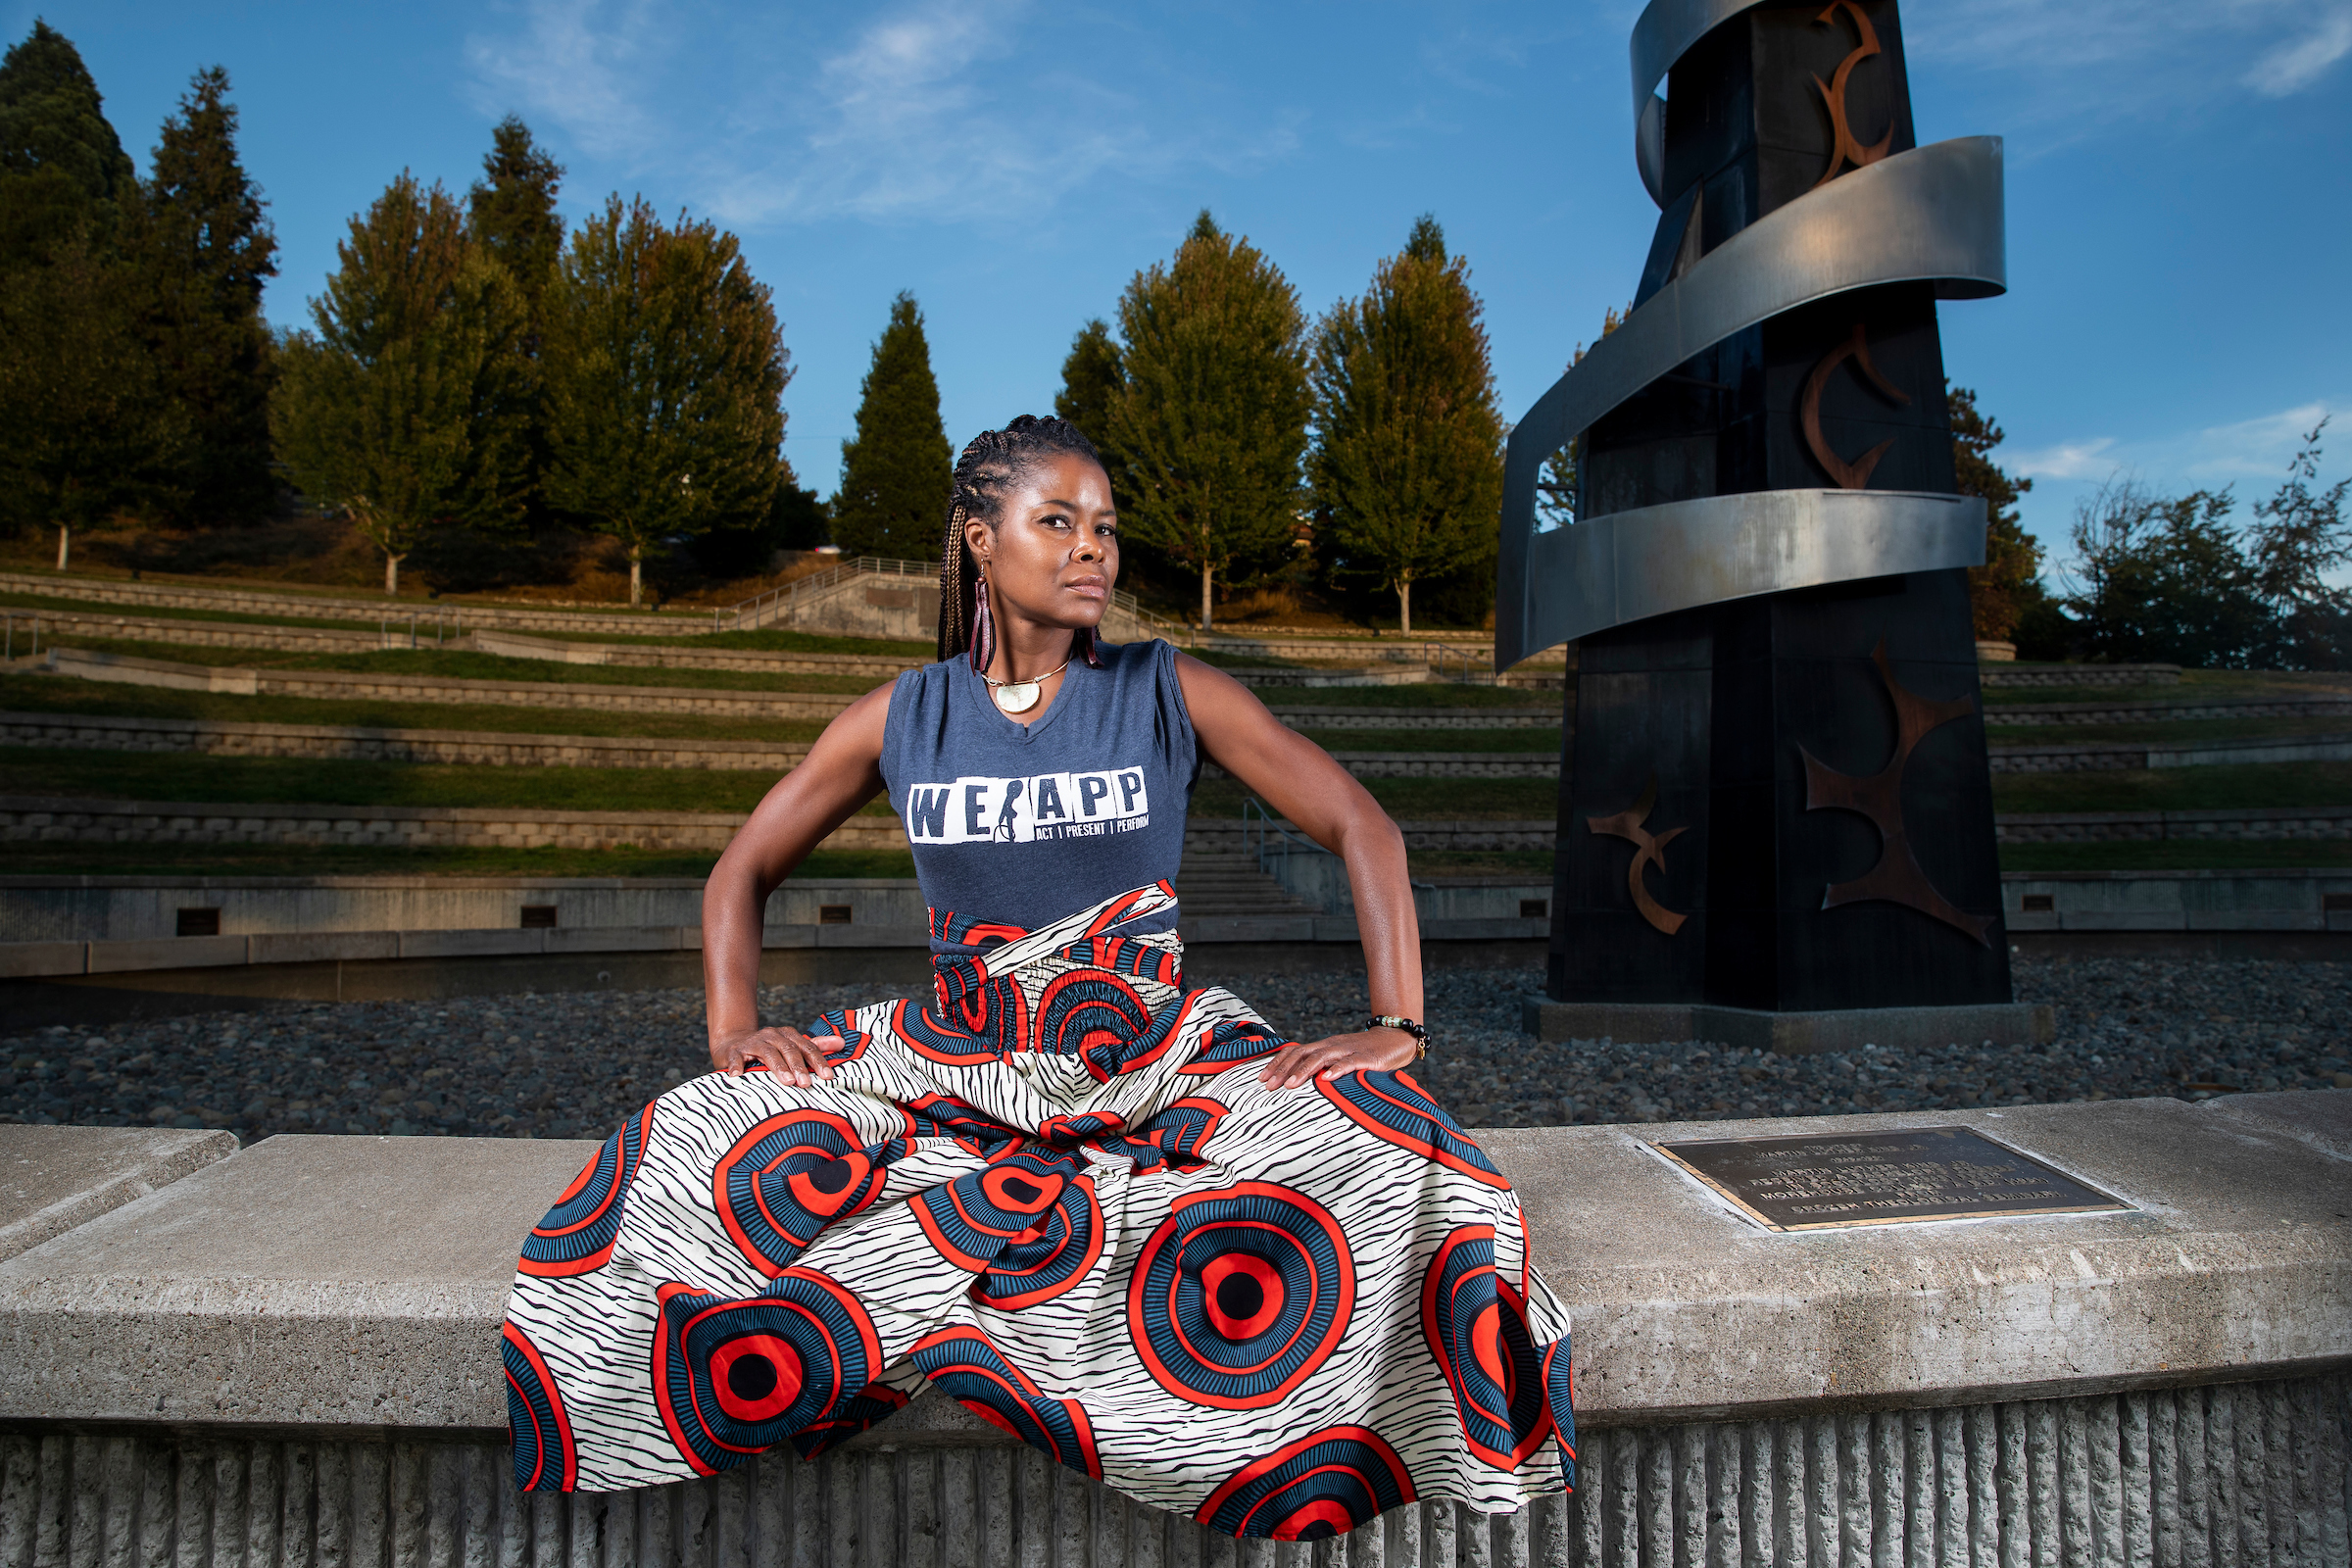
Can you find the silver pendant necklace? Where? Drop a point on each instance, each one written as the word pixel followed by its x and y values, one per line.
pixel 1020 696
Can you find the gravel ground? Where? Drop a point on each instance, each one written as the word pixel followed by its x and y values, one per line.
pixel 572 1065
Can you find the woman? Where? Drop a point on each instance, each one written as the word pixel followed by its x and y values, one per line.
pixel 1268 1284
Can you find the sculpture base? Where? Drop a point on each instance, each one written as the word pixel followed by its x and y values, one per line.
pixel 1791 1034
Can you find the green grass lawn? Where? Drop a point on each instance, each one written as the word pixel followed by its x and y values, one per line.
pixel 180 776
pixel 464 665
pixel 51 694
pixel 262 860
pixel 2246 786
pixel 1546 741
pixel 2195 685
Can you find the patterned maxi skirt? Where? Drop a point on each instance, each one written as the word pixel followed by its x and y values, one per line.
pixel 1057 1192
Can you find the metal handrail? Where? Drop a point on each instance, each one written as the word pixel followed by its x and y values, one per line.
pixel 1473 670
pixel 442 620
pixel 8 641
pixel 1282 842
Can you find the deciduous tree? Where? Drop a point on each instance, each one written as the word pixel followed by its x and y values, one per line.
pixel 664 373
pixel 403 404
pixel 897 469
pixel 1212 423
pixel 1408 461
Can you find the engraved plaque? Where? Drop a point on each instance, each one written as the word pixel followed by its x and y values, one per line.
pixel 1832 1180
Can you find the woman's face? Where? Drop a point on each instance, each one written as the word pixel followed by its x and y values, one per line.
pixel 1052 557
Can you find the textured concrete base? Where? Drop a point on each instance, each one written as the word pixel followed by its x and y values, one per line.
pixel 2235 1473
pixel 1791 1034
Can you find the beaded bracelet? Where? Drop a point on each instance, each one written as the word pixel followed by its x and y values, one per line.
pixel 1387 1020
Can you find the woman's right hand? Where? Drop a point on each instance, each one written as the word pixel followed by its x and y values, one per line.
pixel 795 1058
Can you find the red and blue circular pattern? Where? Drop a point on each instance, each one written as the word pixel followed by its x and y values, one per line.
pixel 1240 1294
pixel 980 1028
pixel 1015 1199
pixel 1058 1249
pixel 734 1377
pixel 1232 1042
pixel 969 1368
pixel 1476 1326
pixel 1323 1485
pixel 544 1457
pixel 1083 1010
pixel 578 1235
pixel 1390 1106
pixel 787 1179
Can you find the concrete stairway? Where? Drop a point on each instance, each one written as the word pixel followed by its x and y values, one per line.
pixel 1229 883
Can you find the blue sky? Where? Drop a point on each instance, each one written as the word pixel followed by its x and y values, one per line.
pixel 2179 177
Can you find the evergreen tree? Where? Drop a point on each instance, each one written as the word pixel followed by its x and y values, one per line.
pixel 513 210
pixel 403 405
pixel 896 471
pixel 1091 381
pixel 85 429
pixel 2164 579
pixel 1212 422
pixel 2009 584
pixel 1407 464
pixel 62 166
pixel 513 218
pixel 664 374
pixel 204 250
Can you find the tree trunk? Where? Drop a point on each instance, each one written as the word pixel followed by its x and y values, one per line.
pixel 391 574
pixel 65 544
pixel 1404 605
pixel 636 575
pixel 1208 617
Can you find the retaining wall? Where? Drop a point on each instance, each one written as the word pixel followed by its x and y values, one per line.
pixel 395 631
pixel 320 607
pixel 341 687
pixel 130 908
pixel 494 748
pixel 2111 827
pixel 214 1374
pixel 2330 706
pixel 689 655
pixel 2101 757
pixel 80 821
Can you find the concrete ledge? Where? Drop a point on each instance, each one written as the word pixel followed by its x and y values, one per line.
pixel 360 1282
pixel 55 1178
pixel 1791 1034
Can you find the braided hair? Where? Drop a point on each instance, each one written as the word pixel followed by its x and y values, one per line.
pixel 984 475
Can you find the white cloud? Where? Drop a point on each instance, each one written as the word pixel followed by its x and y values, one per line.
pixel 2292 66
pixel 2256 448
pixel 908 121
pixel 2069 460
pixel 2074 69
pixel 578 66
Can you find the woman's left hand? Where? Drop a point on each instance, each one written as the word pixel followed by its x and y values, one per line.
pixel 1365 1050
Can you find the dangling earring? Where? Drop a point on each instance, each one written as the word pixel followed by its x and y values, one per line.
pixel 1083 645
pixel 984 631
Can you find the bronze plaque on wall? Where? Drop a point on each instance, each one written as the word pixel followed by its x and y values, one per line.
pixel 1829 1181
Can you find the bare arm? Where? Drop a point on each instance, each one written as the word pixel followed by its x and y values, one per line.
pixel 842 772
pixel 1298 779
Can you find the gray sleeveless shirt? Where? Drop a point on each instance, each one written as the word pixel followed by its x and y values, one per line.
pixel 1021 825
